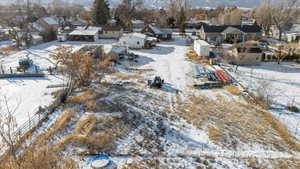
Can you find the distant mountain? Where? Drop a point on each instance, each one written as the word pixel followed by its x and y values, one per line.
pixel 164 3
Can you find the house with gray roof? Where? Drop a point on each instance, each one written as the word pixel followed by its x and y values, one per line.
pixel 230 33
pixel 160 34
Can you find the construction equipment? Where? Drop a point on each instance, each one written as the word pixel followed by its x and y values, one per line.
pixel 157 82
pixel 24 64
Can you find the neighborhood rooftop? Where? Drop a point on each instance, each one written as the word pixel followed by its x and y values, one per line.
pixel 221 28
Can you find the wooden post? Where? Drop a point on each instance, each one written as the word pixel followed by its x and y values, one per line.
pixel 11 71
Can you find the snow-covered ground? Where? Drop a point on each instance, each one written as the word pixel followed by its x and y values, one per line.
pixel 153 129
pixel 283 86
pixel 5 43
pixel 25 95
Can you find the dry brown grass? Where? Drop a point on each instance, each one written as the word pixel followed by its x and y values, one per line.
pixel 192 56
pixel 82 125
pixel 9 49
pixel 37 157
pixel 99 141
pixel 88 94
pixel 232 119
pixel 282 130
pixel 233 90
pixel 60 124
pixel 214 133
pixel 127 76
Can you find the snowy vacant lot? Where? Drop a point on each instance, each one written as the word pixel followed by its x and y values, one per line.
pixel 177 126
pixel 283 85
pixel 25 95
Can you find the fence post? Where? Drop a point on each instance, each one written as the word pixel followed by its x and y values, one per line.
pixel 11 71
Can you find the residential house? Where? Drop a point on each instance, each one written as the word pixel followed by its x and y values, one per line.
pixel 78 22
pixel 134 40
pixel 290 33
pixel 4 34
pixel 90 34
pixel 138 24
pixel 247 53
pixel 230 33
pixel 156 32
pixel 48 23
pixel 195 23
pixel 111 32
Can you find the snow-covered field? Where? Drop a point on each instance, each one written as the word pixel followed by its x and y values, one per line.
pixel 25 95
pixel 152 127
pixel 283 86
pixel 5 44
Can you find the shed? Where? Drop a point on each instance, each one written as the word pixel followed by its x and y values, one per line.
pixel 86 34
pixel 133 40
pixel 202 48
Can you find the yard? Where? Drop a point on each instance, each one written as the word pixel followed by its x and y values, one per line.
pixel 177 126
pixel 283 85
pixel 26 95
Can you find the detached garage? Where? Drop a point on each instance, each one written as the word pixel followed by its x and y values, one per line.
pixel 202 48
pixel 89 34
pixel 133 40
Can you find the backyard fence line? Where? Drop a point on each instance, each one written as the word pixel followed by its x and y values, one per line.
pixel 37 119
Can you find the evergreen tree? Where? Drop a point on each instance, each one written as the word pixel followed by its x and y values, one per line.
pixel 100 12
pixel 182 19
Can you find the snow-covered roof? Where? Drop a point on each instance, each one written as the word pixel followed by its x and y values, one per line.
pixel 137 35
pixel 89 31
pixel 137 22
pixel 112 21
pixel 37 26
pixel 196 21
pixel 50 20
pixel 155 29
pixel 151 39
pixel 202 43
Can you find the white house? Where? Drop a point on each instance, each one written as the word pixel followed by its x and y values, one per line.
pixel 133 40
pixel 202 48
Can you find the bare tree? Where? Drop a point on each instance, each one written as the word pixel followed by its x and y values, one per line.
pixel 8 127
pixel 283 13
pixel 263 16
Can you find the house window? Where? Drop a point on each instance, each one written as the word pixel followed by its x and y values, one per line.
pixel 138 43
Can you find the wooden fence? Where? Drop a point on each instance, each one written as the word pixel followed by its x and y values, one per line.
pixel 14 73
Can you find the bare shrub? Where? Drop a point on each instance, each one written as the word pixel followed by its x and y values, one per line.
pixel 80 67
pixel 36 157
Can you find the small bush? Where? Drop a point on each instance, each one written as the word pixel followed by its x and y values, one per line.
pixel 293 109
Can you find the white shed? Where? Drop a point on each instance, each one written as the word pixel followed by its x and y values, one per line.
pixel 202 48
pixel 133 40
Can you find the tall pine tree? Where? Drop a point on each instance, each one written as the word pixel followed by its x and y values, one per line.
pixel 181 20
pixel 100 12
